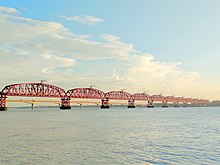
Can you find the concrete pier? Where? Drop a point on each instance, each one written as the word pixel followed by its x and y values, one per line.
pixel 105 104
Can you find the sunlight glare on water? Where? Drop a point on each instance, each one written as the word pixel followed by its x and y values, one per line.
pixel 116 136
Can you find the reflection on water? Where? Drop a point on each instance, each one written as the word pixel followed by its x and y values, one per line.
pixel 115 136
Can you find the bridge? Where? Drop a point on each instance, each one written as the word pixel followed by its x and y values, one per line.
pixel 51 91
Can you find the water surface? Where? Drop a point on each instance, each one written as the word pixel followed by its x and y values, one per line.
pixel 115 136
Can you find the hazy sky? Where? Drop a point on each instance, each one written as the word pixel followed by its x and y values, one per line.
pixel 170 47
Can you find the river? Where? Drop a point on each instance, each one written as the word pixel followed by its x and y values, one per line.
pixel 187 135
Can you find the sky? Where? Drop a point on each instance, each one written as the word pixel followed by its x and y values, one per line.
pixel 167 47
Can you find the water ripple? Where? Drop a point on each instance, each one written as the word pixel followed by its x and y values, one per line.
pixel 118 136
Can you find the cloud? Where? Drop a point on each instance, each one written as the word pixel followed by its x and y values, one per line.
pixel 162 76
pixel 115 75
pixel 59 61
pixel 84 19
pixel 8 10
pixel 31 49
pixel 45 70
pixel 110 38
pixel 154 70
pixel 142 73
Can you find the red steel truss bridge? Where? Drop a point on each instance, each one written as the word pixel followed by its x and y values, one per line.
pixel 51 91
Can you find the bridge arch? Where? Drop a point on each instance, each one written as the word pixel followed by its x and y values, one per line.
pixel 180 99
pixel 188 100
pixel 141 96
pixel 90 93
pixel 119 95
pixel 158 98
pixel 169 98
pixel 33 90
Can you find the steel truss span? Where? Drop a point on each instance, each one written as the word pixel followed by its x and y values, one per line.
pixel 89 93
pixel 48 90
pixel 34 90
pixel 141 96
pixel 119 95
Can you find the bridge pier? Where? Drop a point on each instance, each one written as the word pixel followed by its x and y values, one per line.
pixel 176 104
pixel 32 105
pixel 3 102
pixel 165 105
pixel 131 104
pixel 105 103
pixel 185 104
pixel 150 104
pixel 65 103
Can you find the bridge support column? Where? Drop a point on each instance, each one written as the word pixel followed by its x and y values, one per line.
pixel 105 103
pixel 192 105
pixel 131 104
pixel 150 104
pixel 175 104
pixel 65 103
pixel 185 104
pixel 32 105
pixel 165 105
pixel 3 102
